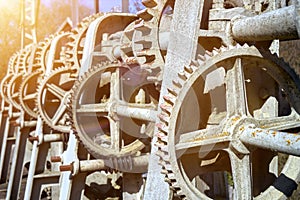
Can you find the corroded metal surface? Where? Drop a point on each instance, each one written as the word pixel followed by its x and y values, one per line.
pixel 174 93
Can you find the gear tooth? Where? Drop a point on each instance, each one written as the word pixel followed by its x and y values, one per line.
pixel 173 92
pixel 164 118
pixel 195 63
pixel 188 69
pixel 182 75
pixel 180 193
pixel 168 181
pixel 245 45
pixel 177 84
pixel 223 48
pixel 201 57
pixel 163 128
pixel 144 14
pixel 169 99
pixel 209 53
pixel 216 49
pixel 214 52
pixel 141 26
pixel 163 171
pixel 149 3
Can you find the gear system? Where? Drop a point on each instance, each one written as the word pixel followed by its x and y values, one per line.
pixel 228 92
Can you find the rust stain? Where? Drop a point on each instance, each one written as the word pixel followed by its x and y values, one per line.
pixel 235 119
pixel 253 134
pixel 242 128
pixel 288 142
pixel 298 140
pixel 274 133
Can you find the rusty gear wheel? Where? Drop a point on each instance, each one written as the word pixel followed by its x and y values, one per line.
pixel 4 87
pixel 74 48
pixel 13 90
pixel 96 100
pixel 28 93
pixel 227 93
pixel 53 96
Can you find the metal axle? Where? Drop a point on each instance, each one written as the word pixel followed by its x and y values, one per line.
pixel 277 24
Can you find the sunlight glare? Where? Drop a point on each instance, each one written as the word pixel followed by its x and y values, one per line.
pixel 4 3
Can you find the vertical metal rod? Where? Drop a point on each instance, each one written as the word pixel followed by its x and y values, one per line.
pixel 125 6
pixel 74 13
pixel 13 165
pixel 22 23
pixel 96 5
pixel 3 149
pixel 33 161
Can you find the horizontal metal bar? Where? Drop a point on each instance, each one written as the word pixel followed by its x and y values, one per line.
pixel 283 142
pixel 137 113
pixel 137 164
pixel 277 24
pixel 53 137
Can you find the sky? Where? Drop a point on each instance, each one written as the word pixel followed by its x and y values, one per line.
pixel 105 5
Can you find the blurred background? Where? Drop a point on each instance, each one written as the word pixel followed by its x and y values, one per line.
pixel 51 14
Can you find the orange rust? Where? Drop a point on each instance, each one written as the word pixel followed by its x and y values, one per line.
pixel 242 128
pixel 288 142
pixel 253 134
pixel 235 118
pixel 274 133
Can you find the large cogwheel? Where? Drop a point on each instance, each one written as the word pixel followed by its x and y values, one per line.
pixel 105 101
pixel 74 48
pixel 228 124
pixel 53 95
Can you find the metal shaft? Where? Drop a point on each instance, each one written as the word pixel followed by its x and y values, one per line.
pixel 274 140
pixel 277 24
pixel 137 113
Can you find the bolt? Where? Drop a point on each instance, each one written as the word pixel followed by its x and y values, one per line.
pixel 55 159
pixel 66 168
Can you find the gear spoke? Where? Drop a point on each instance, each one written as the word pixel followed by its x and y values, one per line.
pixel 57 91
pixel 115 85
pixel 235 91
pixel 59 113
pixel 92 108
pixel 15 95
pixel 241 173
pixel 207 137
pixel 30 96
pixel 115 134
pixel 281 123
